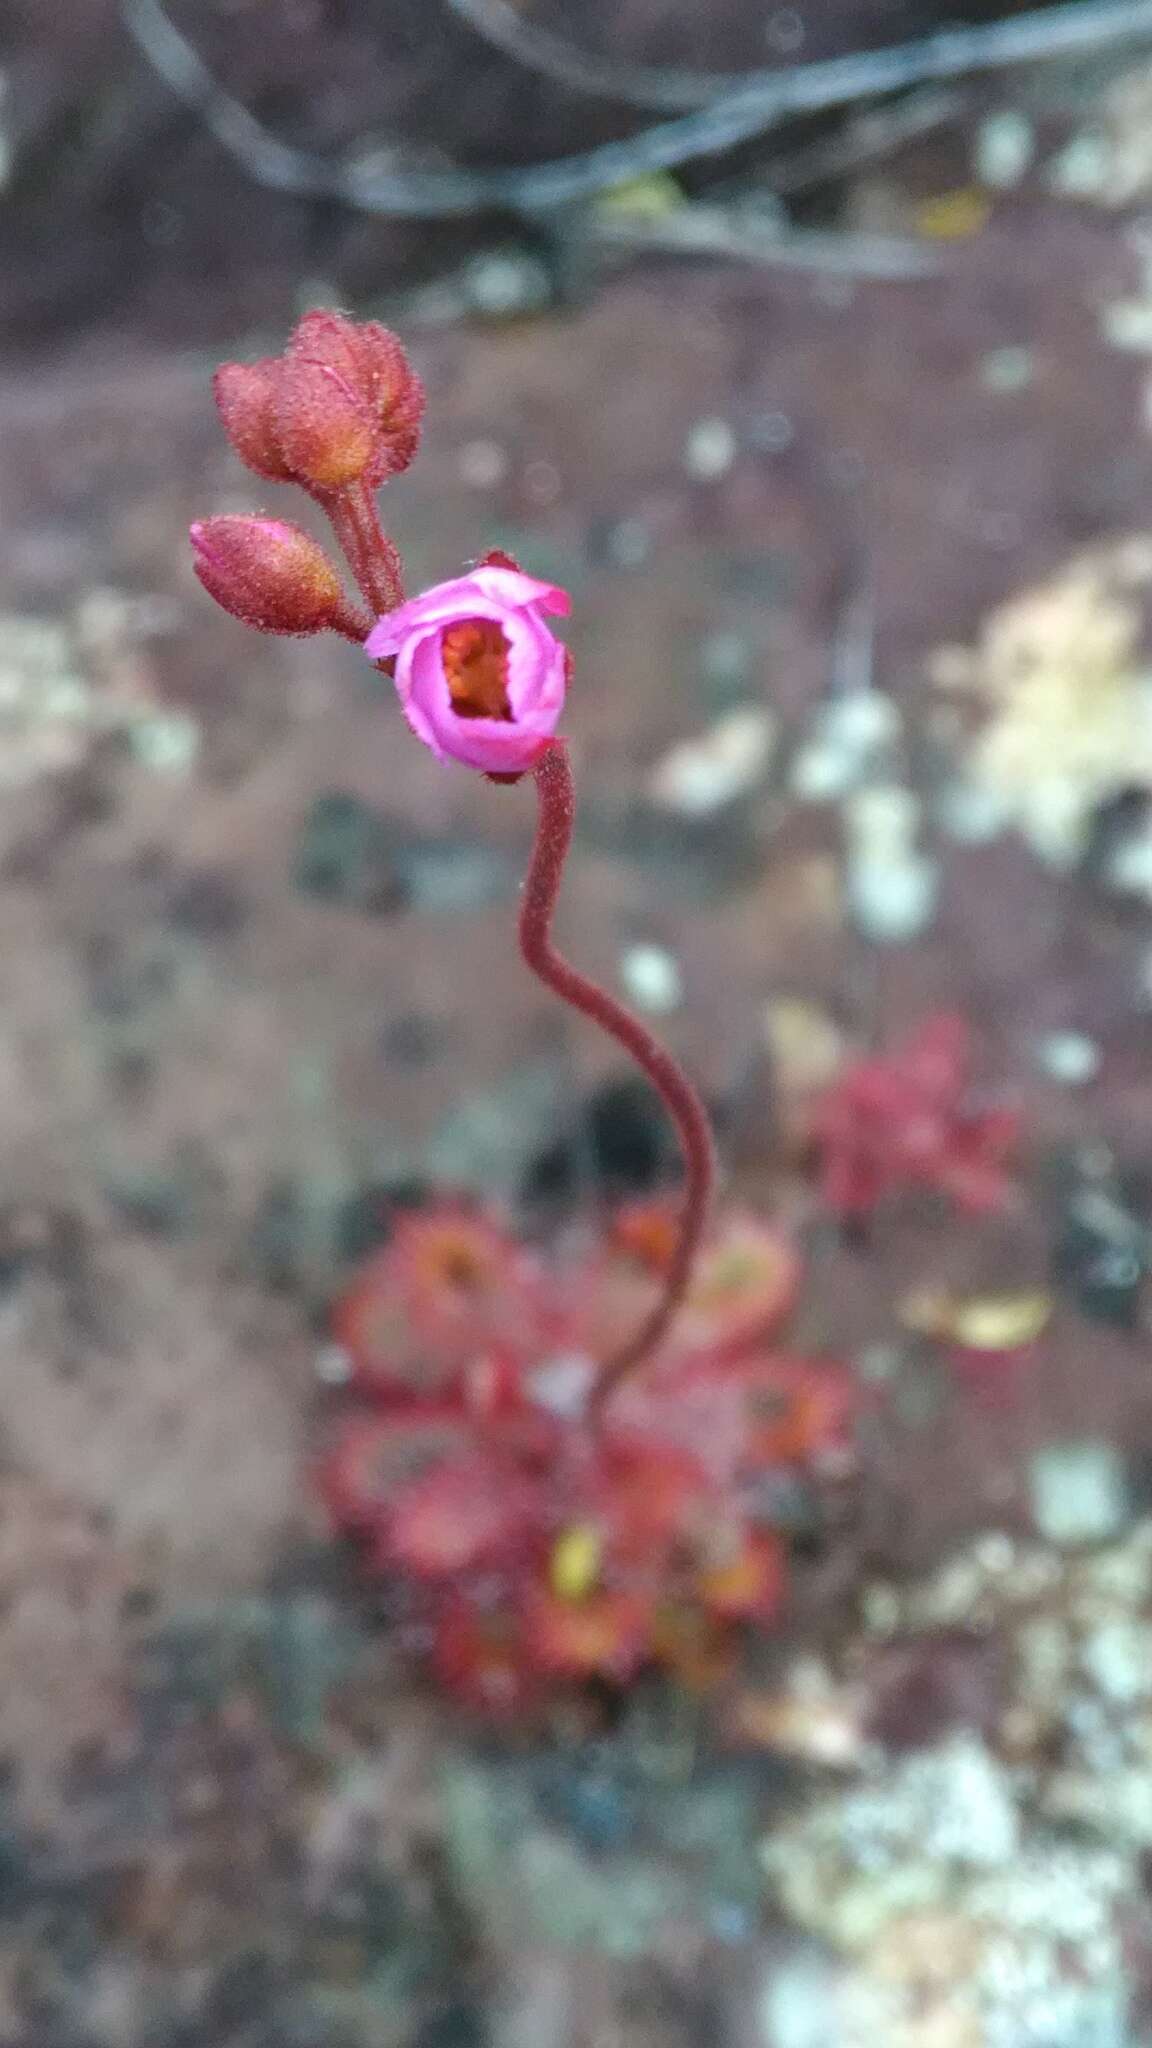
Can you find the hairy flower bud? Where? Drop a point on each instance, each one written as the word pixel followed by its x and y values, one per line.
pixel 246 396
pixel 270 574
pixel 325 429
pixel 331 338
pixel 341 406
pixel 371 362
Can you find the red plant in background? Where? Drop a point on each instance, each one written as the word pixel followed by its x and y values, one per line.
pixel 451 1292
pixel 904 1120
pixel 540 1550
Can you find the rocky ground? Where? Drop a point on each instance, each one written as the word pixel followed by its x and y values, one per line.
pixel 861 575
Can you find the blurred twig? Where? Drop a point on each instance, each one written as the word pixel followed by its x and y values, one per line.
pixel 639 85
pixel 861 139
pixel 698 230
pixel 505 25
pixel 374 187
pixel 508 29
pixel 853 654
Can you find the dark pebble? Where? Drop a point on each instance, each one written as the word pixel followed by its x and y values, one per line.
pixel 590 1805
pixel 460 2025
pixel 619 1144
pixel 208 905
pixel 362 859
pixel 413 1040
pixel 1101 1253
pixel 347 856
pixel 365 1220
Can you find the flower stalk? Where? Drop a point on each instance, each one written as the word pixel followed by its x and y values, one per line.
pixel 556 798
pixel 480 676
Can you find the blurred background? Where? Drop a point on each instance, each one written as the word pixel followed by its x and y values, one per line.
pixel 809 348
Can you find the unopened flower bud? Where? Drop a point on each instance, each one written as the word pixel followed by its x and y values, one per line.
pixel 246 397
pixel 371 362
pixel 324 337
pixel 325 430
pixel 270 574
pixel 341 406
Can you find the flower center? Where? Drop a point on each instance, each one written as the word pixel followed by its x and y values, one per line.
pixel 458 1265
pixel 475 657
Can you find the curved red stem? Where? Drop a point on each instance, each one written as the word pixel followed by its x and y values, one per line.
pixel 557 806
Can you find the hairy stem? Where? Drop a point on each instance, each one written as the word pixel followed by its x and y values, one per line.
pixel 557 804
pixel 371 556
pixel 353 623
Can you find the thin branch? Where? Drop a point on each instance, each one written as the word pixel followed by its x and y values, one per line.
pixel 695 230
pixel 853 654
pixel 504 25
pixel 1048 32
pixel 638 85
pixel 875 133
pixel 862 139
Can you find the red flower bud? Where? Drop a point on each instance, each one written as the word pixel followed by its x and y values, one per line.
pixel 326 432
pixel 246 395
pixel 396 394
pixel 269 574
pixel 341 406
pixel 322 336
pixel 371 362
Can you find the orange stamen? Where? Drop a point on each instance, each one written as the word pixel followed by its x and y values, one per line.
pixel 475 656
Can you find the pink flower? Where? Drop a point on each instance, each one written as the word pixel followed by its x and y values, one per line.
pixel 481 678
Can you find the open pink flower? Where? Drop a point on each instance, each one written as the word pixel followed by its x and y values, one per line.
pixel 480 676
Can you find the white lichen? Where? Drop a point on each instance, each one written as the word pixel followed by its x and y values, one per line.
pixel 1064 697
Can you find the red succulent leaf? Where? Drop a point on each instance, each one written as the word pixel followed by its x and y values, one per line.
pixel 469 1286
pixel 609 1295
pixel 647 1231
pixel 744 1286
pixel 975 1171
pixel 469 1511
pixel 901 1121
pixel 371 1322
pixel 975 1185
pixel 800 1410
pixel 696 1406
pixel 647 1498
pixel 450 1290
pixel 605 1635
pixel 375 1455
pixel 742 1416
pixel 493 1385
pixel 936 1061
